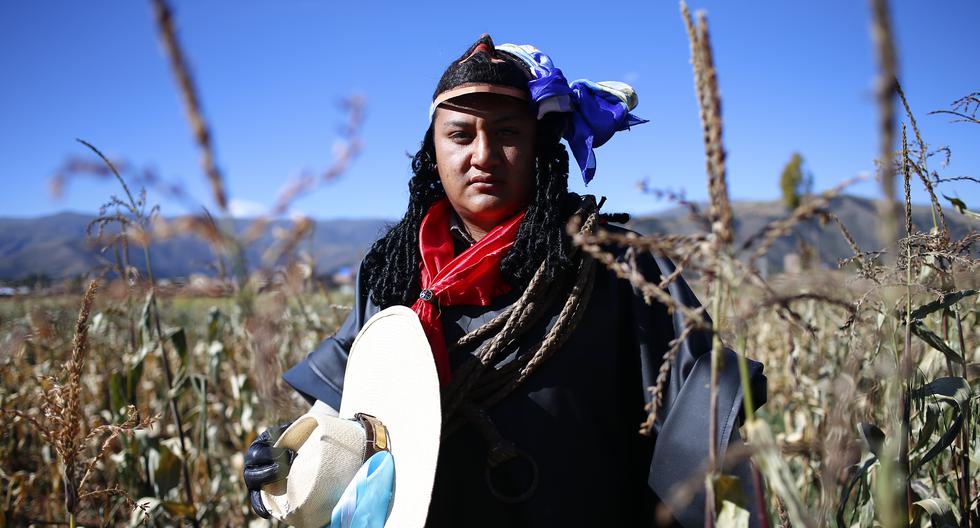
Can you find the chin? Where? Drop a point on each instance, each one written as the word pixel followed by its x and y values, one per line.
pixel 491 209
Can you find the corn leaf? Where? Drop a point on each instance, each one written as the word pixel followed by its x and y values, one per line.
pixel 857 473
pixel 179 509
pixel 873 437
pixel 936 342
pixel 940 512
pixel 960 206
pixel 179 340
pixel 777 472
pixel 929 425
pixel 951 390
pixel 164 470
pixel 146 328
pixel 947 301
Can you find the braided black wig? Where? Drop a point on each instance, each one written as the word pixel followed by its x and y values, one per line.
pixel 391 267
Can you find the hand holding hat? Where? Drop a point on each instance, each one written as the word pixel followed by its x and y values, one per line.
pixel 386 438
pixel 265 464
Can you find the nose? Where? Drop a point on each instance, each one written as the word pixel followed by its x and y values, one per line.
pixel 484 152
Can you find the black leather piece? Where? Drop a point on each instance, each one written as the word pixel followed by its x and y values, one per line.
pixel 255 499
pixel 265 464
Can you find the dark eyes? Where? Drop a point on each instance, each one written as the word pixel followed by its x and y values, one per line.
pixel 459 135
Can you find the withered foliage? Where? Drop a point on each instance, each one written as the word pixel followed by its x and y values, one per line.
pixel 872 367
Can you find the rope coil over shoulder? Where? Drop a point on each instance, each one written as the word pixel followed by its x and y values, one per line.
pixel 480 383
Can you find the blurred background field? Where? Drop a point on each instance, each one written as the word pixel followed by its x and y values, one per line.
pixel 141 348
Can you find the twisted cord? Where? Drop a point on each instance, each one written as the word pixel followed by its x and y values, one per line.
pixel 479 383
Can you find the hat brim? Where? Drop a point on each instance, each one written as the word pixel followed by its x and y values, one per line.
pixel 391 375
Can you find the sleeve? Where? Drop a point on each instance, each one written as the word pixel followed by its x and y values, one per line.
pixel 682 426
pixel 320 376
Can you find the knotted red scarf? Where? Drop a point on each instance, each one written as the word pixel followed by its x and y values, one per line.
pixel 471 278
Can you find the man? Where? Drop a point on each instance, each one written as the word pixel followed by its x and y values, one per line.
pixel 544 357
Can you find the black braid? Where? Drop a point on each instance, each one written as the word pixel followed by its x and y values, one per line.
pixel 391 267
pixel 542 233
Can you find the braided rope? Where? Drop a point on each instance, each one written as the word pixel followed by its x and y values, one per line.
pixel 479 383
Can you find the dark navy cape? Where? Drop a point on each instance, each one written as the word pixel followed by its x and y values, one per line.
pixel 578 415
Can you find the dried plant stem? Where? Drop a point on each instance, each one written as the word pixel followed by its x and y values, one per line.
pixel 920 166
pixel 881 31
pixel 69 445
pixel 720 214
pixel 964 439
pixel 192 104
pixel 885 94
pixel 964 109
pixel 716 353
pixel 709 106
pixel 907 366
pixel 168 371
pixel 651 292
pixel 657 391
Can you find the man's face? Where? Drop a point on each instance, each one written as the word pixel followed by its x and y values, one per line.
pixel 485 156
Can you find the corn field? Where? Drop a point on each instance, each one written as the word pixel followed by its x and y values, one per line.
pixel 134 404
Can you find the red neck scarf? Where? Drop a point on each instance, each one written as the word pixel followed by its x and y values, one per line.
pixel 470 278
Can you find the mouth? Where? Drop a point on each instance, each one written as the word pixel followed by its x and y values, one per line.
pixel 484 179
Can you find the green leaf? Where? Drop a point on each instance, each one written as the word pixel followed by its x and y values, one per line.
pixel 940 512
pixel 948 300
pixel 123 385
pixel 936 342
pixel 178 338
pixel 857 473
pixel 146 325
pixel 179 509
pixel 117 393
pixel 944 441
pixel 166 474
pixel 960 206
pixel 929 426
pixel 873 437
pixel 215 318
pixel 952 390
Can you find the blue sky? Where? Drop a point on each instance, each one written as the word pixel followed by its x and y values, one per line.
pixel 795 76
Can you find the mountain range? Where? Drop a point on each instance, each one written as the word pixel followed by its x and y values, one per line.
pixel 56 246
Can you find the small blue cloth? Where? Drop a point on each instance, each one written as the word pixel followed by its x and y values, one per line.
pixel 598 109
pixel 367 500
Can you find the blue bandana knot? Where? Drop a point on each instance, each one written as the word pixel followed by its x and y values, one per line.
pixel 598 109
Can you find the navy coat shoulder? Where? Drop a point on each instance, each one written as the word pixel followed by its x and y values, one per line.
pixel 578 415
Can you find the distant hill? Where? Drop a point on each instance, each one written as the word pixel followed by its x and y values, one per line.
pixel 858 214
pixel 56 246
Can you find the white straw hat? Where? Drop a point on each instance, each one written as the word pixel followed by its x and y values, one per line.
pixel 391 376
